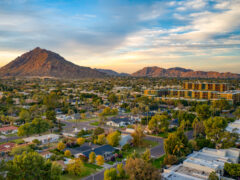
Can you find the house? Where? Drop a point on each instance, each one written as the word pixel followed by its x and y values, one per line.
pixel 8 130
pixel 46 154
pixel 119 122
pixel 199 165
pixel 6 147
pixel 61 163
pixel 125 139
pixel 48 138
pixel 106 151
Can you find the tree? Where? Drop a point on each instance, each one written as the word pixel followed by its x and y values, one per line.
pixel 24 115
pixel 67 153
pixel 146 156
pixel 198 127
pixel 237 112
pixel 121 172
pixel 101 139
pixel 76 167
pixel 110 174
pixel 232 169
pixel 138 169
pixel 20 149
pixel 177 144
pixel 221 104
pixel 56 171
pixel 170 159
pixel 138 136
pixel 158 123
pixel 61 146
pixel 2 169
pixel 203 111
pixel 112 98
pixel 39 125
pixel 30 166
pixel 25 130
pixel 98 131
pixel 213 176
pixel 51 115
pixel 113 138
pixel 92 157
pixel 100 160
pixel 214 128
pixel 80 141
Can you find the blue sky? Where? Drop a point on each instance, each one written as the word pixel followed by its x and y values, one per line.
pixel 125 35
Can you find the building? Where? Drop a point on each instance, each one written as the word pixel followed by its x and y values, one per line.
pixel 106 151
pixel 234 127
pixel 119 122
pixel 6 147
pixel 206 86
pixel 199 165
pixel 125 139
pixel 44 139
pixel 8 130
pixel 197 91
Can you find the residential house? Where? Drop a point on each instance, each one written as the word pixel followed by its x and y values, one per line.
pixel 46 154
pixel 8 130
pixel 119 122
pixel 125 139
pixel 106 151
pixel 44 139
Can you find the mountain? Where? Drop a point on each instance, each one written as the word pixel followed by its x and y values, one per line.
pixel 111 72
pixel 181 72
pixel 43 63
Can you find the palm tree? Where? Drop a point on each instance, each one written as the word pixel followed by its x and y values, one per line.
pixel 178 147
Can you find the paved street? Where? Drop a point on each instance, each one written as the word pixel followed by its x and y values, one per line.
pixel 8 139
pixel 158 150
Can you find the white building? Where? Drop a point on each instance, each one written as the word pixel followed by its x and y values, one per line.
pixel 125 139
pixel 48 138
pixel 199 165
pixel 234 127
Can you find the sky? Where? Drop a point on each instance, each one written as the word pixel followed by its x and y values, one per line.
pixel 125 35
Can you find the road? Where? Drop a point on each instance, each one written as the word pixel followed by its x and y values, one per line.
pixel 8 139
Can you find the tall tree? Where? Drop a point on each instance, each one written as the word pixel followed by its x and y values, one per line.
pixel 30 166
pixel 214 128
pixel 113 138
pixel 40 125
pixel 138 136
pixel 138 169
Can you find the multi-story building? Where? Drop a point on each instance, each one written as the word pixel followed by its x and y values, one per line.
pixel 206 86
pixel 199 165
pixel 198 91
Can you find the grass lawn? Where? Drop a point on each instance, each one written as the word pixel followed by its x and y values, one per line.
pixel 157 163
pixel 110 162
pixel 149 144
pixel 90 169
pixel 96 123
pixel 140 150
pixel 69 177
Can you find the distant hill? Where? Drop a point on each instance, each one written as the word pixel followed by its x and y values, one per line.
pixel 43 63
pixel 112 73
pixel 181 72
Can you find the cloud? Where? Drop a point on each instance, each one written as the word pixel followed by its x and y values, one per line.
pixel 114 33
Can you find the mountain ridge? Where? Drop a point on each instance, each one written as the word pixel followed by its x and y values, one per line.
pixel 42 62
pixel 155 71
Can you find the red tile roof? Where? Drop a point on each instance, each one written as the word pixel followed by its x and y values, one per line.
pixel 6 147
pixel 8 128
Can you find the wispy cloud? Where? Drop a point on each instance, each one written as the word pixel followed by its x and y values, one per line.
pixel 108 33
